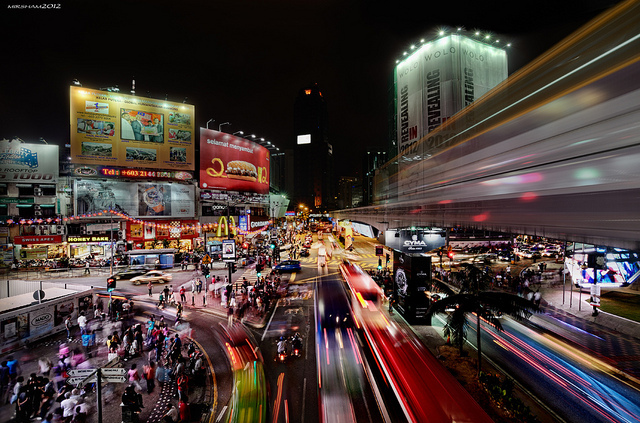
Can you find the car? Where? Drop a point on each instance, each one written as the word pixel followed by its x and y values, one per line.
pixel 132 272
pixel 304 252
pixel 288 266
pixel 155 276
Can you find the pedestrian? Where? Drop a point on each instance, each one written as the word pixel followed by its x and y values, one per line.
pixel 4 382
pixel 537 297
pixel 150 288
pixel 87 271
pixel 67 326
pixel 82 322
pixel 183 297
pixel 171 415
pixel 161 300
pixel 134 377
pixel 150 375
pixel 45 366
pixel 185 414
pixel 230 316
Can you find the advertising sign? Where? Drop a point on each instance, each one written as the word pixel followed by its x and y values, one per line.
pixel 137 199
pixel 41 321
pixel 30 163
pixel 124 130
pixel 116 172
pixel 413 242
pixel 439 80
pixel 228 249
pixel 37 239
pixel 232 164
pixel 412 277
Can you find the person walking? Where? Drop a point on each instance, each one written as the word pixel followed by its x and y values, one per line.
pixel 87 271
pixel 67 326
pixel 150 375
pixel 82 322
pixel 150 287
pixel 183 297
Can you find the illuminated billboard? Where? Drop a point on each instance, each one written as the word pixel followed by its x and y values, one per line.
pixel 137 199
pixel 230 163
pixel 114 129
pixel 31 163
pixel 304 139
pixel 440 79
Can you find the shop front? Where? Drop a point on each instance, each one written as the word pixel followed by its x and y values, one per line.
pixel 91 247
pixel 39 247
pixel 180 235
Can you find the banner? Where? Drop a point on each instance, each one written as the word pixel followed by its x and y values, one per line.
pixel 114 129
pixel 232 163
pixel 28 163
pixel 137 199
pixel 437 81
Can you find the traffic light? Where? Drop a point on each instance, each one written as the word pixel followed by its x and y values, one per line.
pixel 379 250
pixel 272 246
pixel 450 255
pixel 111 284
pixel 379 264
pixel 258 268
pixel 234 267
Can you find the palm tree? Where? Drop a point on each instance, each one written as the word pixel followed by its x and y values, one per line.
pixel 472 298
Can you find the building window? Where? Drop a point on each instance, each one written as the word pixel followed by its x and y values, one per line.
pixel 25 191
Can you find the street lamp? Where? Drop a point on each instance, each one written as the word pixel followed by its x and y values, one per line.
pixel 238 132
pixel 221 125
pixel 210 120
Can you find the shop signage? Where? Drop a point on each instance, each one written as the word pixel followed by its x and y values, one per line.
pixel 259 224
pixel 5 200
pixel 37 239
pixel 92 238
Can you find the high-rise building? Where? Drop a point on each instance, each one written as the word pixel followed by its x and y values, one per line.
pixel 314 182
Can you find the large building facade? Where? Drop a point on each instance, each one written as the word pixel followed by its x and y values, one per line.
pixel 314 181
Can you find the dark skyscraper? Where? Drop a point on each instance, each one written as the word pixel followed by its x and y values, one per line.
pixel 314 184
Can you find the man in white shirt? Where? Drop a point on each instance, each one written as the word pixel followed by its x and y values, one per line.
pixel 68 405
pixel 82 322
pixel 171 416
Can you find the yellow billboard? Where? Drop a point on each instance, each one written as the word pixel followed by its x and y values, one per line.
pixel 109 128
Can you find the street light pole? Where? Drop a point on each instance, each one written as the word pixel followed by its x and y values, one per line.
pixel 222 124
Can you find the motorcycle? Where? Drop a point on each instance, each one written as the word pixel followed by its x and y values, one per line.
pixel 297 348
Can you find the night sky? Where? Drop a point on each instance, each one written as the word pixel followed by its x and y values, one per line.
pixel 245 61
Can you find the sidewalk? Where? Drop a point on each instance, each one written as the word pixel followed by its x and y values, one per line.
pixel 154 403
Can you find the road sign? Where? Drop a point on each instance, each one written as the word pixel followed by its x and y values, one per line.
pixel 115 379
pixel 113 371
pixel 81 380
pixel 81 372
pixel 206 259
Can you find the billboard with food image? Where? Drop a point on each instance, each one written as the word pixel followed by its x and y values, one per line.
pixel 230 163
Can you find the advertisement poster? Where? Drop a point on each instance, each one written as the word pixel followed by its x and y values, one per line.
pixel 228 249
pixel 28 163
pixel 41 321
pixel 232 164
pixel 124 130
pixel 438 80
pixel 411 279
pixel 137 199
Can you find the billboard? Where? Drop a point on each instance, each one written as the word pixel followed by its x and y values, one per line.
pixel 137 199
pixel 232 164
pixel 30 163
pixel 114 129
pixel 411 281
pixel 440 79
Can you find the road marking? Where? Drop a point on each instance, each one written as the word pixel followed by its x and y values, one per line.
pixel 269 324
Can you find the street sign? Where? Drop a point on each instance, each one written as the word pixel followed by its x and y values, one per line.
pixel 206 259
pixel 113 371
pixel 81 380
pixel 81 372
pixel 115 379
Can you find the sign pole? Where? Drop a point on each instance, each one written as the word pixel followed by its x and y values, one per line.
pixel 99 393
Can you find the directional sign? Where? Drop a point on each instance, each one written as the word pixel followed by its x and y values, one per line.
pixel 113 371
pixel 115 379
pixel 80 380
pixel 81 372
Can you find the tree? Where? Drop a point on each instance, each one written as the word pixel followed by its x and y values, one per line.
pixel 473 298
